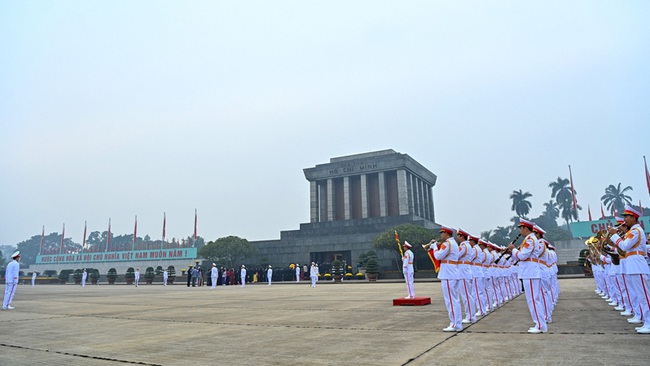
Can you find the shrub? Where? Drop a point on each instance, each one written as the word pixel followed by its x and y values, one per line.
pixel 372 266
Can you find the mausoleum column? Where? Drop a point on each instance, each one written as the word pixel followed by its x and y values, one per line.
pixel 346 197
pixel 330 200
pixel 402 192
pixel 313 201
pixel 382 194
pixel 364 197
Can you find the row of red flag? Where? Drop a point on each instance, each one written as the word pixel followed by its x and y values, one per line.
pixel 108 239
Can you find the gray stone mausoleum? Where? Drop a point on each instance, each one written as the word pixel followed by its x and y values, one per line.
pixel 352 200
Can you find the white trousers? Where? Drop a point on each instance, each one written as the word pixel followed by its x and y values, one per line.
pixel 214 281
pixel 408 277
pixel 467 294
pixel 452 301
pixel 314 278
pixel 533 290
pixel 639 288
pixel 10 291
pixel 481 296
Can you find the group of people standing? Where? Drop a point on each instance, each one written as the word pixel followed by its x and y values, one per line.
pixel 621 269
pixel 483 276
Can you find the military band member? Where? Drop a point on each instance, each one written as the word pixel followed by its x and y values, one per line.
pixel 530 272
pixel 479 276
pixel 447 254
pixel 635 268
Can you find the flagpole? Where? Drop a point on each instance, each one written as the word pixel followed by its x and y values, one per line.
pixel 647 174
pixel 573 195
pixel 62 239
pixel 108 239
pixel 40 249
pixel 135 232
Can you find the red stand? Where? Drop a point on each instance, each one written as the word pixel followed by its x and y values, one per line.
pixel 417 301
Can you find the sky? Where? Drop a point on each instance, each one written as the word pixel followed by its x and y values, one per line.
pixel 112 109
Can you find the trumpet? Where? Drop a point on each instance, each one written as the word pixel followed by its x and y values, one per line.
pixel 429 244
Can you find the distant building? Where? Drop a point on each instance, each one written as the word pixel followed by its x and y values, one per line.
pixel 352 200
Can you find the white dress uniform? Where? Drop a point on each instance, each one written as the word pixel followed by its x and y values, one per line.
pixel 407 270
pixel 242 276
pixel 530 272
pixel 214 275
pixel 447 254
pixel 33 278
pixel 84 276
pixel 479 280
pixel 269 275
pixel 313 274
pixel 297 272
pixel 165 277
pixel 467 293
pixel 11 281
pixel 489 284
pixel 635 272
pixel 137 277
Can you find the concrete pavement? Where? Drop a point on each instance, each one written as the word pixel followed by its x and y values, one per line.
pixel 351 323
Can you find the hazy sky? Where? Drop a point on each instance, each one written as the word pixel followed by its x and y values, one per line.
pixel 120 108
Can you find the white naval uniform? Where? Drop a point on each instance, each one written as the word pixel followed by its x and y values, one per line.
pixel 530 272
pixel 11 282
pixel 165 277
pixel 447 254
pixel 214 274
pixel 635 271
pixel 269 275
pixel 84 276
pixel 33 279
pixel 242 276
pixel 407 270
pixel 137 277
pixel 313 274
pixel 297 273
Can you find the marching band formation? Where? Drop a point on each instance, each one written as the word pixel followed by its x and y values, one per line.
pixel 483 276
pixel 620 264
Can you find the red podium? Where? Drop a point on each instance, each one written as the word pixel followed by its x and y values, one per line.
pixel 417 301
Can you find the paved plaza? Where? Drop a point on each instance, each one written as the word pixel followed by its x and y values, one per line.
pixel 344 324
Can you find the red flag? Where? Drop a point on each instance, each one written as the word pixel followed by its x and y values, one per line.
pixel 647 174
pixel 436 262
pixel 573 195
pixel 195 222
pixel 602 212
pixel 83 246
pixel 108 239
pixel 62 238
pixel 589 211
pixel 640 208
pixel 164 225
pixel 399 245
pixel 135 232
pixel 40 250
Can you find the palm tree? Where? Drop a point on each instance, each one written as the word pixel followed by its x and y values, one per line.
pixel 616 197
pixel 485 235
pixel 551 210
pixel 563 194
pixel 520 205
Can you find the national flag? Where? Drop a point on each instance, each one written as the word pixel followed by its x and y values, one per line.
pixel 640 208
pixel 436 262
pixel 135 232
pixel 589 212
pixel 40 250
pixel 83 246
pixel 195 224
pixel 602 212
pixel 647 174
pixel 62 239
pixel 164 225
pixel 573 192
pixel 108 239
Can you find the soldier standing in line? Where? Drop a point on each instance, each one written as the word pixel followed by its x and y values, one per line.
pixel 11 280
pixel 214 274
pixel 269 274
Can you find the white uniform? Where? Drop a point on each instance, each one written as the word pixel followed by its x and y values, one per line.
pixel 165 277
pixel 137 277
pixel 635 271
pixel 242 275
pixel 297 273
pixel 447 254
pixel 313 274
pixel 33 278
pixel 269 275
pixel 11 282
pixel 407 269
pixel 84 276
pixel 214 274
pixel 467 293
pixel 530 272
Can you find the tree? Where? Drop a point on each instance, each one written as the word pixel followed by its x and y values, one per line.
pixel 551 210
pixel 485 235
pixel 51 245
pixel 520 205
pixel 561 191
pixel 232 250
pixel 415 235
pixel 616 198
